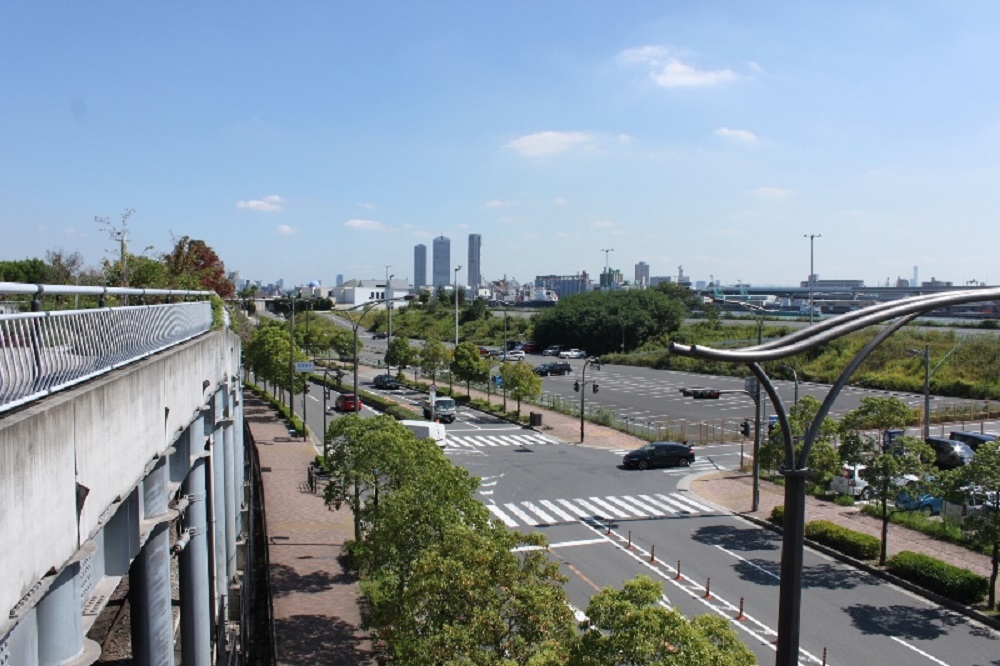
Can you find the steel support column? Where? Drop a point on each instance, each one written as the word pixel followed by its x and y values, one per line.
pixel 60 631
pixel 217 495
pixel 196 604
pixel 150 597
pixel 232 508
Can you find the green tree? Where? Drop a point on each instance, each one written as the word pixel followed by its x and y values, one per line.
pixel 400 353
pixel 983 473
pixel 268 356
pixel 520 382
pixel 366 455
pixel 823 459
pixel 30 271
pixel 875 414
pixel 468 365
pixel 629 626
pixel 434 357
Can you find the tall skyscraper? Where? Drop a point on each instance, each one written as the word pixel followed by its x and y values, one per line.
pixel 475 277
pixel 420 266
pixel 642 274
pixel 442 262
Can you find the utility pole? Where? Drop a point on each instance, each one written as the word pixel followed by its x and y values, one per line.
pixel 607 275
pixel 812 272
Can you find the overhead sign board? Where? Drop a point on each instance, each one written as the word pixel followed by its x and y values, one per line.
pixel 305 366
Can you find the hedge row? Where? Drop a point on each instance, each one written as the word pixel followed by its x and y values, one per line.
pixel 946 579
pixel 849 542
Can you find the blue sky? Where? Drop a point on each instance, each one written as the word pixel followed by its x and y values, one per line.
pixel 306 139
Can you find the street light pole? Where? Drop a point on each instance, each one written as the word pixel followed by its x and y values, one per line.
pixel 457 269
pixel 291 358
pixel 596 362
pixel 607 276
pixel 388 306
pixel 926 353
pixel 812 272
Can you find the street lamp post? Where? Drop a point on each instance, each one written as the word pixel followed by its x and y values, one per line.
pixel 291 356
pixel 607 276
pixel 457 269
pixel 795 468
pixel 795 377
pixel 582 387
pixel 812 272
pixel 355 323
pixel 926 353
pixel 388 306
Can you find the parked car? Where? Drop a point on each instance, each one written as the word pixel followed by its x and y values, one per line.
pixel 445 409
pixel 657 454
pixel 546 369
pixel 528 347
pixel 973 439
pixel 973 500
pixel 347 402
pixel 849 482
pixel 552 350
pixel 573 353
pixel 380 335
pixel 483 351
pixel 951 453
pixel 386 383
pixel 513 355
pixel 912 499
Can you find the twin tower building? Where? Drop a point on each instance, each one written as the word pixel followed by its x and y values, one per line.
pixel 444 273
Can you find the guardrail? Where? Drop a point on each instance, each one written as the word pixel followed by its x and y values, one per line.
pixel 44 352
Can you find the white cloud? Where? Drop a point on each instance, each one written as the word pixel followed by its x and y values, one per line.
pixel 742 135
pixel 269 204
pixel 560 201
pixel 676 74
pixel 549 143
pixel 771 193
pixel 499 203
pixel 74 232
pixel 285 230
pixel 365 225
pixel 625 138
pixel 669 71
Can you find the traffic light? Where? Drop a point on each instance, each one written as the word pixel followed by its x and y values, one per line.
pixel 595 387
pixel 576 386
pixel 705 394
pixel 745 428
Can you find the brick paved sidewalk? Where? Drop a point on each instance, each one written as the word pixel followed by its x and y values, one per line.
pixel 316 612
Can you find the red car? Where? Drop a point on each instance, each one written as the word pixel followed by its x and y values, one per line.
pixel 347 402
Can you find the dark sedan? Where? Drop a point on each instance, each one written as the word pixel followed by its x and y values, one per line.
pixel 386 383
pixel 659 454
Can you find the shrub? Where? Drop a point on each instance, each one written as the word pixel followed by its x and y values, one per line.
pixel 844 500
pixel 778 515
pixel 946 579
pixel 849 542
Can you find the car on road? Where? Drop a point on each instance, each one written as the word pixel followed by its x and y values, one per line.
pixel 658 454
pixel 380 335
pixel 386 383
pixel 546 369
pixel 572 353
pixel 445 409
pixel 552 350
pixel 347 402
pixel 513 355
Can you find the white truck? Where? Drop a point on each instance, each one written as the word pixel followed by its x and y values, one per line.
pixel 428 430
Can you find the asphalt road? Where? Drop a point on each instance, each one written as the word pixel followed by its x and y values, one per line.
pixel 606 525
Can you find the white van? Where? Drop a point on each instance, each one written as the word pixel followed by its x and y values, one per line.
pixel 849 482
pixel 428 430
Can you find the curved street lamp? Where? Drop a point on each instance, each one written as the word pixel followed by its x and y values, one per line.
pixel 355 323
pixel 795 469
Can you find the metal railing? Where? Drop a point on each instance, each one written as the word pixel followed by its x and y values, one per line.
pixel 44 352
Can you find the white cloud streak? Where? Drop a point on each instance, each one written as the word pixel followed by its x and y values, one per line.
pixel 269 204
pixel 541 144
pixel 742 135
pixel 285 230
pixel 669 71
pixel 771 193
pixel 365 225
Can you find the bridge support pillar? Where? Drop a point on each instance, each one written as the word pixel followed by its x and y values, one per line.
pixel 232 508
pixel 218 499
pixel 149 579
pixel 60 632
pixel 196 606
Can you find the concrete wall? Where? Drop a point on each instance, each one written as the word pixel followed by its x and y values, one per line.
pixel 99 437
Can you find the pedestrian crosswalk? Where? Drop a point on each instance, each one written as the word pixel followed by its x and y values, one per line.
pixel 595 509
pixel 485 441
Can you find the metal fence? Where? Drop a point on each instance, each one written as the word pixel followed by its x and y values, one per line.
pixel 44 352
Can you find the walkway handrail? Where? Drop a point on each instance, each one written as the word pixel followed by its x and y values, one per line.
pixel 44 352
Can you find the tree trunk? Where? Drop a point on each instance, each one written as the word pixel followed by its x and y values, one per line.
pixel 993 574
pixel 357 511
pixel 885 533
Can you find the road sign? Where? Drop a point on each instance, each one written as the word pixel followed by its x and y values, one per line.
pixel 434 388
pixel 305 366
